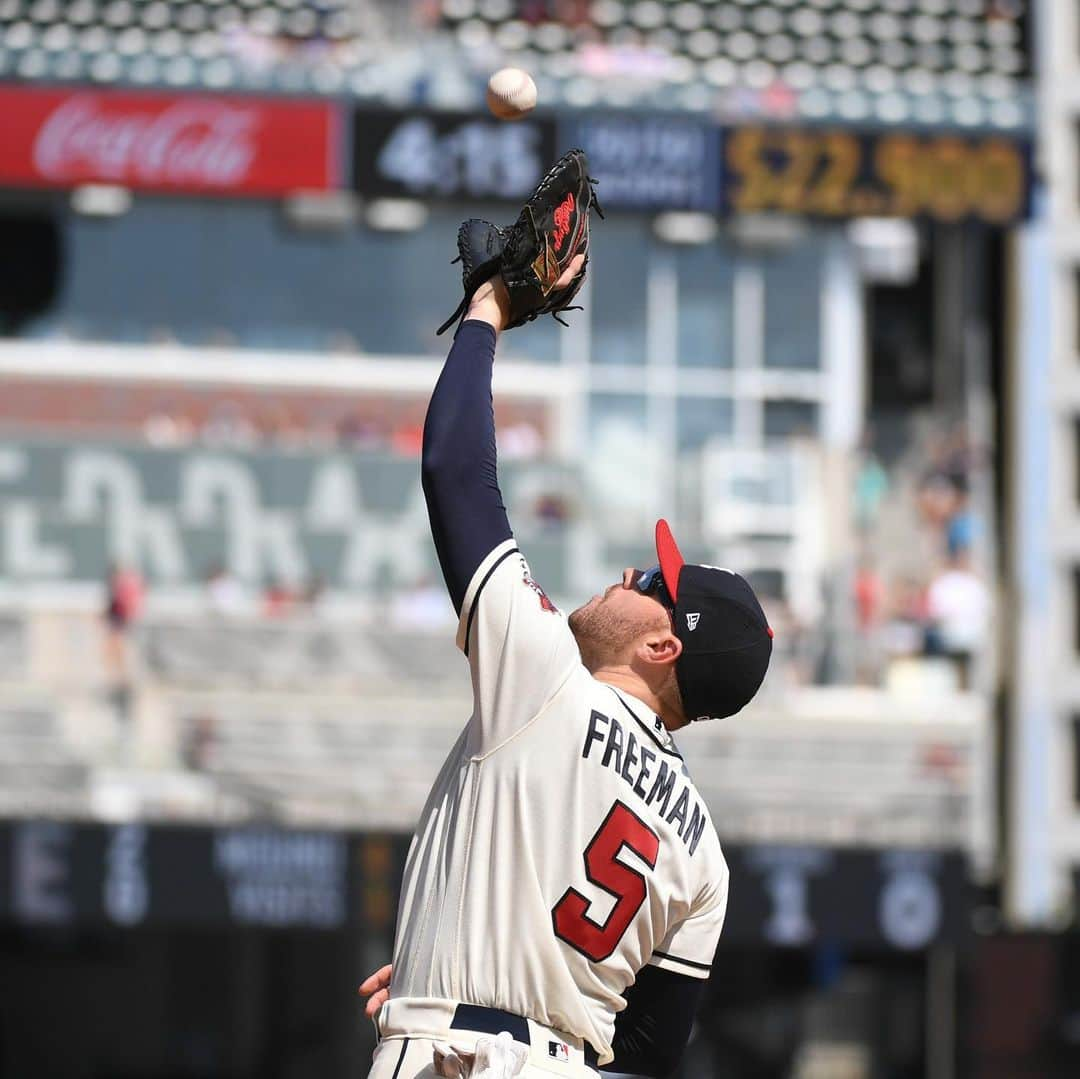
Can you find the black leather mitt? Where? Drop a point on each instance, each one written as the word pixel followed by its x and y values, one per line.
pixel 533 252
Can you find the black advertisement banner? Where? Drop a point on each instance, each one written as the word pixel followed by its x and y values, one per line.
pixel 794 896
pixel 56 873
pixel 132 874
pixel 446 155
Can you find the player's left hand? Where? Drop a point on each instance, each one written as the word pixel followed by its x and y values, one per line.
pixel 376 988
pixel 532 255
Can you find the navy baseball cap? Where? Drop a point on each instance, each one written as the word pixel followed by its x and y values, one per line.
pixel 725 636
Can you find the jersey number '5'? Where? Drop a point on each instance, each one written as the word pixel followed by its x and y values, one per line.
pixel 621 828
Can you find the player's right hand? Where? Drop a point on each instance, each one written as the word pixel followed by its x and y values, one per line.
pixel 376 988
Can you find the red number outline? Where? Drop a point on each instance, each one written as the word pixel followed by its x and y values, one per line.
pixel 621 828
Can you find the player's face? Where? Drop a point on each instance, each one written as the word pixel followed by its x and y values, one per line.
pixel 610 625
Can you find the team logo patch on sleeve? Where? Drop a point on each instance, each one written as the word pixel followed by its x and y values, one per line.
pixel 545 603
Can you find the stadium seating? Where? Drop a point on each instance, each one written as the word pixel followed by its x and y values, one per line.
pixel 843 767
pixel 179 42
pixel 844 54
pixel 300 736
pixel 40 771
pixel 918 38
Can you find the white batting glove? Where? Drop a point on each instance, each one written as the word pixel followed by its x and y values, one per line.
pixel 492 1058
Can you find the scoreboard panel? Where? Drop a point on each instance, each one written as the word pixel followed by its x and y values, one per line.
pixel 841 174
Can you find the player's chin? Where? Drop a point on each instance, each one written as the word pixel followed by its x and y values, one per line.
pixel 578 617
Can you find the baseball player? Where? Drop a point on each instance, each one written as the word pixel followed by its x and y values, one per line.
pixel 565 889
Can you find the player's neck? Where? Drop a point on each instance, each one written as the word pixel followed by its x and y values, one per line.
pixel 625 679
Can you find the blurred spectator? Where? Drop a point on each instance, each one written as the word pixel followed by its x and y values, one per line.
pixel 424 606
pixel 167 427
pixel 904 630
pixel 520 441
pixel 551 510
pixel 358 433
pixel 282 429
pixel 314 591
pixel 958 610
pixel 795 651
pixel 870 597
pixel 124 594
pixel 124 597
pixel 278 599
pixel 572 12
pixel 871 487
pixel 224 592
pixel 869 594
pixel 962 530
pixel 936 498
pixel 198 745
pixel 957 456
pixel 408 438
pixel 227 425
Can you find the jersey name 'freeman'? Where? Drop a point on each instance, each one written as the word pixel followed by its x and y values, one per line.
pixel 633 762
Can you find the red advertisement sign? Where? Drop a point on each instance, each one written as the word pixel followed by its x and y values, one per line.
pixel 164 142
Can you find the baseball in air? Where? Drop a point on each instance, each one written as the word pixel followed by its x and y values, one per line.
pixel 511 93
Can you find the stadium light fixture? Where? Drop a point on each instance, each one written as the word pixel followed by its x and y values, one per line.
pixel 396 215
pixel 684 228
pixel 767 231
pixel 322 211
pixel 886 249
pixel 101 200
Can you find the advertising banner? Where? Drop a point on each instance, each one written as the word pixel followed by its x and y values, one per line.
pixel 672 162
pixel 649 162
pixel 797 896
pixel 356 520
pixel 452 156
pixel 54 873
pixel 194 143
pixel 841 173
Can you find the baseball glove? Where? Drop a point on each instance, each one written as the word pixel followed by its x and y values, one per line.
pixel 533 252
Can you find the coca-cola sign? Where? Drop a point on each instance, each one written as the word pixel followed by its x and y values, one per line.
pixel 197 143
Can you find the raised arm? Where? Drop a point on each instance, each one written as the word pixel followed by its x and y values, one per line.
pixel 458 468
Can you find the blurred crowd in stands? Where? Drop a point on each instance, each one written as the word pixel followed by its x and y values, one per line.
pixel 246 426
pixel 922 604
pixel 910 611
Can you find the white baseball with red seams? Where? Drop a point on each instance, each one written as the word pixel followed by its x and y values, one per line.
pixel 511 93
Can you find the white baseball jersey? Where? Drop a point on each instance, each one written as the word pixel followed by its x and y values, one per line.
pixel 563 846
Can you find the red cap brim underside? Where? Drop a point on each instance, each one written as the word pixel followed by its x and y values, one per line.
pixel 668 555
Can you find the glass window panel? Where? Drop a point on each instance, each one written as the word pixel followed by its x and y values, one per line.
pixel 699 419
pixel 621 465
pixel 238 273
pixel 706 280
pixel 793 306
pixel 784 419
pixel 618 272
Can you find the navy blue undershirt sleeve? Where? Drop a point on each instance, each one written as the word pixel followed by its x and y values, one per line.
pixel 458 467
pixel 651 1032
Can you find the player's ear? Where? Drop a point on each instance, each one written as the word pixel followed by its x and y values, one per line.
pixel 661 648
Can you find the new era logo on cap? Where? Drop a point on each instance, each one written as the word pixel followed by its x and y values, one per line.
pixel 692 620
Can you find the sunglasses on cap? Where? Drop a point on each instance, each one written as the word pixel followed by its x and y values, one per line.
pixel 650 582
